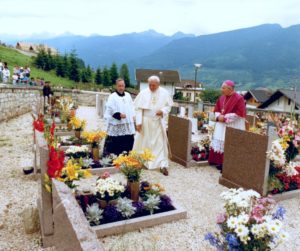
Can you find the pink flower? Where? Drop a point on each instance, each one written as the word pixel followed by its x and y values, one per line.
pixel 221 218
pixel 105 175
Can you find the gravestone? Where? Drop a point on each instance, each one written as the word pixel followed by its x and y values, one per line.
pixel 45 203
pixel 190 111
pixel 179 135
pixel 245 162
pixel 72 230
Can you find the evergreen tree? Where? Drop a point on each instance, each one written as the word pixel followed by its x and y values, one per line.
pixel 86 75
pixel 113 73
pixel 66 64
pixel 106 79
pixel 124 73
pixel 98 77
pixel 41 59
pixel 74 73
pixel 60 70
pixel 50 62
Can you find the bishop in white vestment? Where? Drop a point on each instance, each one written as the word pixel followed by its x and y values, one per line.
pixel 119 115
pixel 152 107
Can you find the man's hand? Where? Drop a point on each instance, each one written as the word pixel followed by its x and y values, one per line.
pixel 221 118
pixel 159 113
pixel 123 116
pixel 138 128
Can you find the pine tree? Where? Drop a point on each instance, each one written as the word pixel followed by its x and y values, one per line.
pixel 50 63
pixel 124 73
pixel 66 64
pixel 114 73
pixel 41 59
pixel 86 75
pixel 60 70
pixel 74 73
pixel 106 79
pixel 98 77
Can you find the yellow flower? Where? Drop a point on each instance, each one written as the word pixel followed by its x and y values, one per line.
pixel 71 170
pixel 48 188
pixel 147 155
pixel 94 136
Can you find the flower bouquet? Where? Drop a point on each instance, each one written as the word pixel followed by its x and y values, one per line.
pixel 94 138
pixel 77 152
pixel 107 190
pixel 131 166
pixel 202 118
pixel 71 172
pixel 250 222
pixel 201 152
pixel 284 174
pixel 78 125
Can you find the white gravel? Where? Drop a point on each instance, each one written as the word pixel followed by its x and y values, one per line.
pixel 196 189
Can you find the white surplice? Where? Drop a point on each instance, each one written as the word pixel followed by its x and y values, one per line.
pixel 124 105
pixel 153 135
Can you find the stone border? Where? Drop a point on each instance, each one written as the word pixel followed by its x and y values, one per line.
pixel 130 225
pixel 100 171
pixel 287 195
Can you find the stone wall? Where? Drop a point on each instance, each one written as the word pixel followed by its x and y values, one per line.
pixel 16 101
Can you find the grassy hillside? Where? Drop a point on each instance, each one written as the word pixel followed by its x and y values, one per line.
pixel 13 57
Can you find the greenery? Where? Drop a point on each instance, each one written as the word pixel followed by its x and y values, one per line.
pixel 210 95
pixel 67 71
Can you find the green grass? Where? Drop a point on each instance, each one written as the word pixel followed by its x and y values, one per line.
pixel 13 57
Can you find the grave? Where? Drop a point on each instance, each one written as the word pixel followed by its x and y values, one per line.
pixel 246 164
pixel 180 141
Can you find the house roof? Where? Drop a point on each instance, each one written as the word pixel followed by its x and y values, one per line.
pixel 187 83
pixel 171 76
pixel 290 94
pixel 260 94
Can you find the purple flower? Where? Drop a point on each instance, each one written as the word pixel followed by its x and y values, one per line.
pixel 279 214
pixel 214 241
pixel 111 213
pixel 221 218
pixel 165 202
pixel 233 243
pixel 139 207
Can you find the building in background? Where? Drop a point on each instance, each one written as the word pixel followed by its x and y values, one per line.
pixel 168 79
pixel 35 48
pixel 282 100
pixel 186 90
pixel 256 97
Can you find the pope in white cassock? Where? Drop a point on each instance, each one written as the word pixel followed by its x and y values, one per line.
pixel 152 107
pixel 119 115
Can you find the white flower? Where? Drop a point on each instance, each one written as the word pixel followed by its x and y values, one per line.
pixel 232 222
pixel 284 236
pixel 273 229
pixel 255 229
pixel 277 153
pixel 76 149
pixel 241 230
pixel 290 170
pixel 243 218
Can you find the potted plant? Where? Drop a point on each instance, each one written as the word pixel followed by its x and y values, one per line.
pixel 94 139
pixel 131 166
pixel 78 125
pixel 108 190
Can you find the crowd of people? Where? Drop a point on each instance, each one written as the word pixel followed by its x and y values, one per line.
pixel 20 76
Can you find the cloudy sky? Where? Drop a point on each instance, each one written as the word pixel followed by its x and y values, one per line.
pixel 110 17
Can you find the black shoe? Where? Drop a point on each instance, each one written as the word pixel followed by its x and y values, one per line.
pixel 219 167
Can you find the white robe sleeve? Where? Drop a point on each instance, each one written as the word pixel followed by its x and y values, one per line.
pixel 138 116
pixel 167 108
pixel 110 108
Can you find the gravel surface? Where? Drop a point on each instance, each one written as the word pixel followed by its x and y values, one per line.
pixel 195 189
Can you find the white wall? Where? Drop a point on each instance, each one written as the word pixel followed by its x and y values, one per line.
pixel 282 104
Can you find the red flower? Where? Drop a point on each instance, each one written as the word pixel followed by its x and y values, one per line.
pixel 52 129
pixel 38 125
pixel 56 162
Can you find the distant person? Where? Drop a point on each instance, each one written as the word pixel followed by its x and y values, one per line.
pixel 1 70
pixel 42 82
pixel 5 74
pixel 230 111
pixel 47 92
pixel 32 82
pixel 119 114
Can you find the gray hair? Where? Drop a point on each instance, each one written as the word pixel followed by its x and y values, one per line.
pixel 154 79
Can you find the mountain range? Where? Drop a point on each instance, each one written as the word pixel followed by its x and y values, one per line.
pixel 266 55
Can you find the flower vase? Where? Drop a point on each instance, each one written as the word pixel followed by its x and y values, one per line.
pixel 77 134
pixel 134 190
pixel 104 203
pixel 95 153
pixel 69 125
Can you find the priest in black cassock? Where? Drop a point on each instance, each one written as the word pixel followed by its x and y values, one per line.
pixel 119 115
